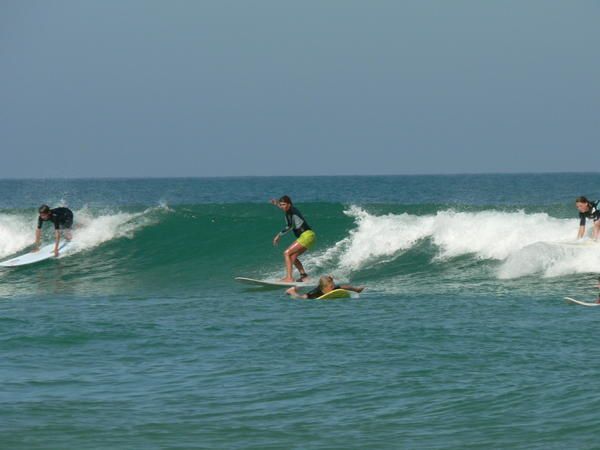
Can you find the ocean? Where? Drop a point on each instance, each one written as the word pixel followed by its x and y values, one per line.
pixel 141 338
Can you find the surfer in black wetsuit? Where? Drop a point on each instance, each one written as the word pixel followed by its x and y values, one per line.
pixel 326 285
pixel 305 237
pixel 588 210
pixel 62 218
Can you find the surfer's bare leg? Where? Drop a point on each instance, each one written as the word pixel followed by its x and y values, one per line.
pixel 596 231
pixel 290 256
pixel 299 265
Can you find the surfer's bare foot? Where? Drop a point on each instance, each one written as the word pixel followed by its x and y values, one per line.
pixel 287 280
pixel 303 277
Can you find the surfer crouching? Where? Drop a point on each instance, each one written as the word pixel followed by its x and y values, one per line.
pixel 305 237
pixel 62 218
pixel 587 210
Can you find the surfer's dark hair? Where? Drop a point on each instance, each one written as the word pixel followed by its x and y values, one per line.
pixel 44 209
pixel 285 199
pixel 582 199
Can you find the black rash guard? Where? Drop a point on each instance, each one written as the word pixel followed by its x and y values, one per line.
pixel 317 292
pixel 295 221
pixel 60 217
pixel 592 213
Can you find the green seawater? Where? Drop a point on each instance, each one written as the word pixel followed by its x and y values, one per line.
pixel 142 339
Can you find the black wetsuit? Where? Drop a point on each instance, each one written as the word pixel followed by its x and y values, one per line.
pixel 62 218
pixel 592 213
pixel 317 292
pixel 295 221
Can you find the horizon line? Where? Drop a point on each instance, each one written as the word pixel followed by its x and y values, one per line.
pixel 183 177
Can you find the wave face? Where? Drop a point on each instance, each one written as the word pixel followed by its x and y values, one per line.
pixel 398 247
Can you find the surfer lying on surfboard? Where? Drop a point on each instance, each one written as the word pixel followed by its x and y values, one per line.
pixel 587 210
pixel 62 218
pixel 305 237
pixel 326 285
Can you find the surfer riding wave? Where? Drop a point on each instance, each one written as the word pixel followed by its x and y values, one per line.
pixel 306 237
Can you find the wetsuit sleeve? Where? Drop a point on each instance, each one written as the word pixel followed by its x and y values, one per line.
pixel 316 292
pixel 288 226
pixel 297 221
pixel 581 219
pixel 40 223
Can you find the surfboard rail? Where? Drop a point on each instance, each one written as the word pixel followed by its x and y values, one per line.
pixel 579 302
pixel 45 252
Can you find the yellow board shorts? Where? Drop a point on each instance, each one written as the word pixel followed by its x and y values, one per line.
pixel 307 239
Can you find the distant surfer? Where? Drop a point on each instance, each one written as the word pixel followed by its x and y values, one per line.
pixel 326 284
pixel 305 237
pixel 587 210
pixel 62 218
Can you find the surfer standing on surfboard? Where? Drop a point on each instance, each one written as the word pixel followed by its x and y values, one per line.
pixel 587 210
pixel 305 237
pixel 62 218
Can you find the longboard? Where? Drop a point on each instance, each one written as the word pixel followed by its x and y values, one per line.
pixel 46 252
pixel 581 243
pixel 276 283
pixel 577 302
pixel 336 293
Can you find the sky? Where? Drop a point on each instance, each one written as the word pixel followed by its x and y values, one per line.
pixel 132 88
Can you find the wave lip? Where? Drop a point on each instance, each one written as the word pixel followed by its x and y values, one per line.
pixel 523 243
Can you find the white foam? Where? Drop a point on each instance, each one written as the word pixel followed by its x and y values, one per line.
pixel 524 243
pixel 92 229
pixel 16 233
pixel 376 239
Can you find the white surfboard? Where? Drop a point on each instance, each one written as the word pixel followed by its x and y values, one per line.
pixel 578 302
pixel 277 283
pixel 580 243
pixel 45 252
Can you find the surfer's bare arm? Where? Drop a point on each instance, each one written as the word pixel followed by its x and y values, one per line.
pixel 293 292
pixel 581 231
pixel 38 238
pixel 347 287
pixel 281 233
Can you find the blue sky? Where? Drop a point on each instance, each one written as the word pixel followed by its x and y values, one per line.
pixel 217 88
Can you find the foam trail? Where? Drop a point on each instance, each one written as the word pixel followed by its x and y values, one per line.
pixel 551 260
pixel 16 233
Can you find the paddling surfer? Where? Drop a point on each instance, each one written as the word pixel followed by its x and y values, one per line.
pixel 326 285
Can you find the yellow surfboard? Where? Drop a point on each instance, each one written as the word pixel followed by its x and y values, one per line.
pixel 336 293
